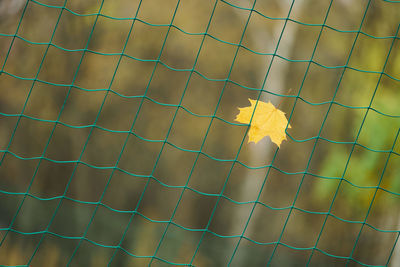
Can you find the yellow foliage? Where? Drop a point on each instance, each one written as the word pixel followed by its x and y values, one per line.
pixel 267 121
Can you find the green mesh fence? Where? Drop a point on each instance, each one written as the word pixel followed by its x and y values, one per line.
pixel 327 197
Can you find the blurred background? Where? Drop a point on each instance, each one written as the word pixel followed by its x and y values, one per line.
pixel 118 145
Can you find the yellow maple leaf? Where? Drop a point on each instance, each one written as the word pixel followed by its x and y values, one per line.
pixel 267 121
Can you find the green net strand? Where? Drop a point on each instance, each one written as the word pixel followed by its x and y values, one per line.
pixel 135 119
pixel 237 155
pixel 202 145
pixel 348 160
pixel 23 109
pixel 323 122
pixel 167 135
pixel 85 145
pixel 134 213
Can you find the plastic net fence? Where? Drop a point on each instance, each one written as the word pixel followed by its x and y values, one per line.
pixel 118 145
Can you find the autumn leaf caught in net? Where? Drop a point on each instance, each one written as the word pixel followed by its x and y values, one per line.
pixel 267 121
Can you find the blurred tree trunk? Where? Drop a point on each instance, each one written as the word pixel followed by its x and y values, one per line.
pixel 10 7
pixel 252 182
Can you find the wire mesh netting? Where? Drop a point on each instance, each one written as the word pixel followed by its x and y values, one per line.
pixel 118 144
